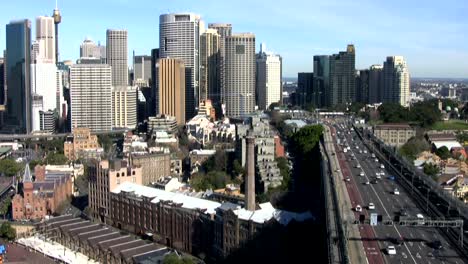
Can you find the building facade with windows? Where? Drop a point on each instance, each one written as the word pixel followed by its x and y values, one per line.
pixel 395 135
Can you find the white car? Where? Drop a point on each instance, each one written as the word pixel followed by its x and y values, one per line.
pixel 391 250
pixel 367 183
pixel 378 176
pixel 376 160
pixel 396 192
pixel 371 206
pixel 358 166
pixel 358 208
pixel 365 151
pixel 382 166
pixel 362 174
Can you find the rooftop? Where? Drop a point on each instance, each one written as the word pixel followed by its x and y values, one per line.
pixel 393 126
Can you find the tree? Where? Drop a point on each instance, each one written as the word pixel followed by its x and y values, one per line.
pixel 431 169
pixel 7 231
pixel 237 168
pixel 105 142
pixel 443 153
pixel 284 171
pixel 175 259
pixel 413 147
pixel 5 206
pixel 356 107
pixel 393 113
pixel 304 140
pixel 56 159
pixel 9 167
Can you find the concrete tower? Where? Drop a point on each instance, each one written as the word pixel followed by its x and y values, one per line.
pixel 117 56
pixel 57 19
pixel 250 177
pixel 239 78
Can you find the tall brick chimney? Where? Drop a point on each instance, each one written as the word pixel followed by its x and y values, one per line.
pixel 250 177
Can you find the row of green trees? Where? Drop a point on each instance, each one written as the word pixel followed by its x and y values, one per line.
pixel 424 113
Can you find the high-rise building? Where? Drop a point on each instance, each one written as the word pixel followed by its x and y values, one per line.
pixel 396 81
pixel 2 81
pixel 305 86
pixel 321 83
pixel 18 72
pixel 179 38
pixel 240 74
pixel 375 84
pixel 43 82
pixel 47 121
pixel 153 104
pixel 141 70
pixel 89 49
pixel 224 30
pixel 209 66
pixel 342 79
pixel 45 36
pixel 172 94
pixel 268 81
pixel 117 56
pixel 362 86
pixel 91 96
pixel 124 106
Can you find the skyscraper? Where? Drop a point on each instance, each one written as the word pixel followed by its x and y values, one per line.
pixel 18 71
pixel 362 86
pixel 45 36
pixel 172 82
pixel 305 87
pixel 117 56
pixel 179 39
pixel 322 80
pixel 141 70
pixel 268 78
pixel 342 79
pixel 396 81
pixel 209 66
pixel 2 81
pixel 240 74
pixel 44 83
pixel 224 30
pixel 154 102
pixel 375 84
pixel 90 96
pixel 124 106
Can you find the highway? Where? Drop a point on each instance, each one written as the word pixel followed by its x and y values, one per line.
pixel 417 241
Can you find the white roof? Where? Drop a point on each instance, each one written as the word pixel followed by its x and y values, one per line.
pixel 298 123
pixel 266 212
pixel 158 195
pixel 449 144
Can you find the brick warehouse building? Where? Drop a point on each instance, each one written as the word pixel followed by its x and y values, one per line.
pixel 42 196
pixel 193 225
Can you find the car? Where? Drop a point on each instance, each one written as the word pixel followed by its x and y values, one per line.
pixel 436 244
pixel 360 152
pixel 347 179
pixel 337 170
pixel 382 166
pixel 371 206
pixel 391 177
pixel 373 155
pixel 362 174
pixel 376 160
pixel 374 181
pixel 358 166
pixel 365 151
pixel 397 241
pixel 367 183
pixel 358 208
pixel 391 250
pixel 378 176
pixel 396 192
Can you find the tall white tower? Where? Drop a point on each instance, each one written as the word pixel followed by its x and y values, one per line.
pixel 117 56
pixel 268 80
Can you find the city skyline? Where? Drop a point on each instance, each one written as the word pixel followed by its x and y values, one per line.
pixel 297 30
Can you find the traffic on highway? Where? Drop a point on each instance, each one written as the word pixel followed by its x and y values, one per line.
pixel 376 193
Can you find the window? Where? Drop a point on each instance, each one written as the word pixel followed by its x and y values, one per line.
pixel 118 174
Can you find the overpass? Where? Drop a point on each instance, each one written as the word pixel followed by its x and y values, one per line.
pixel 10 137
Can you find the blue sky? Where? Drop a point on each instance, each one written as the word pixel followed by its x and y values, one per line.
pixel 432 35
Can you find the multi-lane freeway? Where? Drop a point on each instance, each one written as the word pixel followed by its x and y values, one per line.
pixel 373 189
